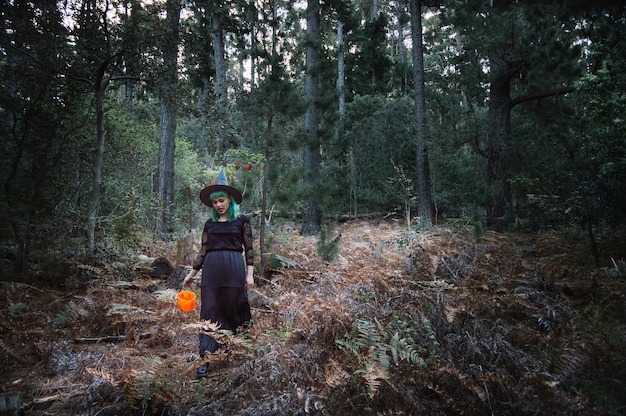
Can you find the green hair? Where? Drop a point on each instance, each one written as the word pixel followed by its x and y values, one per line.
pixel 233 208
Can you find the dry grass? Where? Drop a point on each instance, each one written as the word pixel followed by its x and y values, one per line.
pixel 399 323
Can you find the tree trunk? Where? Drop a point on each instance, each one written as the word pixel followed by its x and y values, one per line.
pixel 217 37
pixel 498 143
pixel 341 96
pixel 373 16
pixel 270 119
pixel 311 222
pixel 402 52
pixel 374 9
pixel 253 46
pixel 94 201
pixel 203 104
pixel 341 74
pixel 167 137
pixel 421 125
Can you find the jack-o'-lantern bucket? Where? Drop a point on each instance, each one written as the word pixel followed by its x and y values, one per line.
pixel 186 301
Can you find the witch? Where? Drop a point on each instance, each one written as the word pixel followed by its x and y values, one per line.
pixel 226 259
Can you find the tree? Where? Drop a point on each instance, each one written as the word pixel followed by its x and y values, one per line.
pixel 217 37
pixel 311 221
pixel 593 181
pixel 37 115
pixel 102 61
pixel 532 54
pixel 167 136
pixel 369 61
pixel 421 126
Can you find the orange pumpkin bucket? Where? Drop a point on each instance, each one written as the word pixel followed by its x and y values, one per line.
pixel 186 301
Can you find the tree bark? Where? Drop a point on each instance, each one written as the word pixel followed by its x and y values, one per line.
pixel 270 118
pixel 253 45
pixel 401 50
pixel 167 137
pixel 341 74
pixel 311 223
pixel 421 126
pixel 217 37
pixel 498 144
pixel 341 96
pixel 94 200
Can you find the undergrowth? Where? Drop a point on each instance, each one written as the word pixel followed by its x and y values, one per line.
pixel 378 349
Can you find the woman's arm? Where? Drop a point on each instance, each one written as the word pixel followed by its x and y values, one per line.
pixel 199 260
pixel 250 276
pixel 249 252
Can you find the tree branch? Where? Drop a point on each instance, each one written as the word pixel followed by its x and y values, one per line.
pixel 541 94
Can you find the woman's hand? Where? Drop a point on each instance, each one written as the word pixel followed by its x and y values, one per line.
pixel 189 279
pixel 250 280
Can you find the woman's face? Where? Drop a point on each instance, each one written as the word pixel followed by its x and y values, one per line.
pixel 221 204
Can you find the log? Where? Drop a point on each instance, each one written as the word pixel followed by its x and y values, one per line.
pixel 108 338
pixel 161 267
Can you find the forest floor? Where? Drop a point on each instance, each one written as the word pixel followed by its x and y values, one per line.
pixel 399 323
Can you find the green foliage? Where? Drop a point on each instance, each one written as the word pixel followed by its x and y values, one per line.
pixel 327 247
pixel 186 187
pixel 130 208
pixel 277 261
pixel 600 165
pixel 68 314
pixel 370 62
pixel 404 184
pixel 570 148
pixel 149 389
pixel 365 295
pixel 17 310
pixel 380 133
pixel 375 348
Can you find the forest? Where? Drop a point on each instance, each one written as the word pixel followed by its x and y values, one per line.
pixel 437 191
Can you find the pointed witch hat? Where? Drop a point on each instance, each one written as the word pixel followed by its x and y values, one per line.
pixel 221 184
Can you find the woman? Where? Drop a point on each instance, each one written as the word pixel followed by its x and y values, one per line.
pixel 225 272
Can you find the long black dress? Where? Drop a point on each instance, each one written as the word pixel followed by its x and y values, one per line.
pixel 223 296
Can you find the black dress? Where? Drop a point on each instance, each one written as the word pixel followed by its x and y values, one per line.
pixel 223 296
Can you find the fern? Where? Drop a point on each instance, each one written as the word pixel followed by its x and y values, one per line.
pixel 66 316
pixel 146 382
pixel 150 387
pixel 349 345
pixel 375 349
pixel 12 352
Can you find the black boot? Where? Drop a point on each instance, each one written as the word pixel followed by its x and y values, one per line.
pixel 203 371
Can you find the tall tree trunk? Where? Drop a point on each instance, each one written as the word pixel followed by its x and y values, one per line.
pixel 374 9
pixel 203 105
pixel 402 53
pixel 498 143
pixel 374 16
pixel 253 45
pixel 341 95
pixel 465 105
pixel 270 119
pixel 100 84
pixel 217 37
pixel 311 221
pixel 421 125
pixel 94 200
pixel 167 137
pixel 341 75
pixel 241 59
